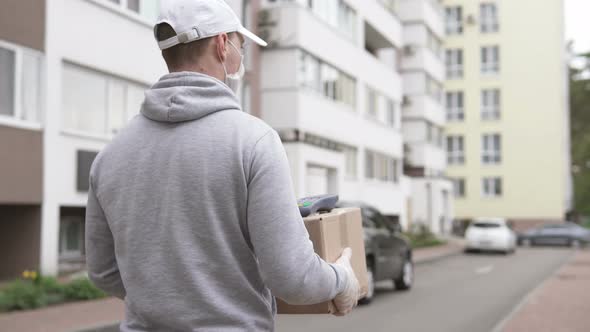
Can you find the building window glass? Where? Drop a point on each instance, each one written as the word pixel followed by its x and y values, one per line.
pixel 490 104
pixel 454 63
pixel 488 18
pixel 390 112
pixel 381 167
pixel 96 103
pixel 133 5
pixel 491 187
pixel 350 154
pixel 148 9
pixel 7 81
pixel 325 79
pixel 20 83
pixel 371 103
pixel 455 106
pixel 71 237
pixel 459 187
pixel 434 89
pixel 454 20
pixel 434 44
pixel 380 107
pixel 336 13
pixel 490 60
pixel 491 149
pixel 455 150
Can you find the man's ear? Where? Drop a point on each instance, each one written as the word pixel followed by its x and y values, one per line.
pixel 220 42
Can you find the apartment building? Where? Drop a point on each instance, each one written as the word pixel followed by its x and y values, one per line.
pixel 331 86
pixel 72 73
pixel 423 114
pixel 507 111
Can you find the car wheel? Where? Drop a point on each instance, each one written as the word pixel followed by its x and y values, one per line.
pixel 526 243
pixel 575 243
pixel 371 285
pixel 406 279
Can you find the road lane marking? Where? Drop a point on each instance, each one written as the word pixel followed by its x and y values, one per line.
pixel 484 269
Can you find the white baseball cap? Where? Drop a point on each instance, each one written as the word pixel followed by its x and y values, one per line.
pixel 198 19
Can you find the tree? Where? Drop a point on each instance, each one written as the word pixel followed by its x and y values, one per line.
pixel 579 81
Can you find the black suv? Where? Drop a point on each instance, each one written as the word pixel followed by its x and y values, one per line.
pixel 389 254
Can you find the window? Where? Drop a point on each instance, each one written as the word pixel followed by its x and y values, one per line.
pixel 371 102
pixel 369 165
pixel 133 5
pixel 380 107
pixel 20 83
pixel 454 63
pixel 454 20
pixel 148 9
pixel 381 167
pixel 390 5
pixel 455 150
pixel 491 149
pixel 434 44
pixel 7 81
pixel 434 89
pixel 96 103
pixel 459 187
pixel 71 237
pixel 350 154
pixel 325 79
pixel 390 112
pixel 490 104
pixel 488 17
pixel 491 187
pixel 455 106
pixel 334 12
pixel 490 60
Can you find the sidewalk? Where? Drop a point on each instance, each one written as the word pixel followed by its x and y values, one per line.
pixel 562 303
pixel 93 315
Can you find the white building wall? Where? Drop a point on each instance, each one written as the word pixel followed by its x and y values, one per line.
pixel 432 204
pixel 286 105
pixel 112 41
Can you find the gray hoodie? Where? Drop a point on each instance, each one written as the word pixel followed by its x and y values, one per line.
pixel 192 217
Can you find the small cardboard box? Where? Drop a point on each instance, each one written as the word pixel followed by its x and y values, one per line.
pixel 330 233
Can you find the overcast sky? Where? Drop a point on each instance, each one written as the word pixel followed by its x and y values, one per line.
pixel 577 23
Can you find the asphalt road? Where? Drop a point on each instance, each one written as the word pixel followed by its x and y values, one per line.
pixel 465 293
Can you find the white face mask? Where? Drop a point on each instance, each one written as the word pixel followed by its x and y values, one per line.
pixel 233 80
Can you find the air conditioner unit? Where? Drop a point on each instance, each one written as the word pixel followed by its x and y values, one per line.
pixel 409 50
pixel 406 101
pixel 471 20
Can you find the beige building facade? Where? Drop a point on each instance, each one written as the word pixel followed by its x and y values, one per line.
pixel 507 111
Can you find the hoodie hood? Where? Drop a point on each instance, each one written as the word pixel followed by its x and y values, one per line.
pixel 187 96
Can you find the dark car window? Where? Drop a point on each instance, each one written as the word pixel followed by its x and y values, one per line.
pixel 374 217
pixel 553 227
pixel 486 225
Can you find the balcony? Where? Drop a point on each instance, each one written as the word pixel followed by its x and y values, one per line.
pixel 424 107
pixel 425 155
pixel 428 11
pixel 311 112
pixel 294 26
pixel 420 58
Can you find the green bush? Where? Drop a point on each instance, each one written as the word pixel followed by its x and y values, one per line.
pixel 82 289
pixel 37 291
pixel 421 237
pixel 22 295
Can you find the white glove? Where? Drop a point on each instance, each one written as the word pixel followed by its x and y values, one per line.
pixel 348 298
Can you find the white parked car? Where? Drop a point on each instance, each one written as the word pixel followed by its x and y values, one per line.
pixel 492 234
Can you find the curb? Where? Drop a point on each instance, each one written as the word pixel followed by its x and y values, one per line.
pixel 104 327
pixel 440 257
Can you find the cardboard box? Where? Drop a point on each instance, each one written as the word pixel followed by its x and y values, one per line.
pixel 330 233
